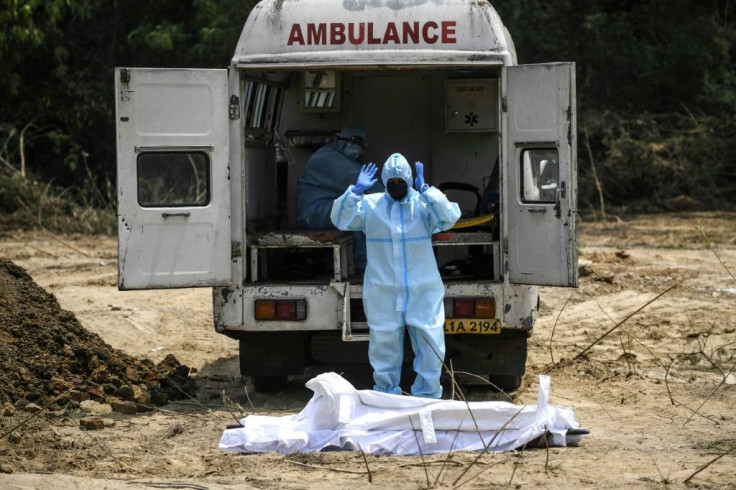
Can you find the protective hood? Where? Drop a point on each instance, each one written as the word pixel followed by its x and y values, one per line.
pixel 396 166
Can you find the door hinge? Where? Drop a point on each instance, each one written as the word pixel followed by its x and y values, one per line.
pixel 236 250
pixel 234 107
pixel 125 75
pixel 504 107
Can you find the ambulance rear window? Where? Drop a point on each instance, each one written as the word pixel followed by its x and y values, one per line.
pixel 167 179
pixel 540 173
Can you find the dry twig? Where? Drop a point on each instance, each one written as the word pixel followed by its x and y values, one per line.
pixel 551 355
pixel 194 400
pixel 368 468
pixel 419 448
pixel 171 484
pixel 546 447
pixel 52 235
pixel 485 449
pixel 517 463
pixel 625 320
pixel 318 467
pixel 104 448
pixel 231 406
pixel 429 463
pixel 34 415
pixel 460 392
pixel 626 354
pixel 478 474
pixel 687 480
pixel 711 394
pixel 666 384
pixel 628 333
pixel 678 404
pixel 446 461
pixel 709 244
pixel 598 186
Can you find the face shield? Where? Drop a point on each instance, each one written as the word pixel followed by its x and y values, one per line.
pixel 353 146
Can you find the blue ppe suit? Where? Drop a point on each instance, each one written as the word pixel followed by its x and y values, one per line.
pixel 402 285
pixel 329 171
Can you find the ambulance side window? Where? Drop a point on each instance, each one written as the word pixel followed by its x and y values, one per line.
pixel 168 179
pixel 260 102
pixel 540 174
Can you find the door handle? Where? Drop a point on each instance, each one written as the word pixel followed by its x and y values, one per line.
pixel 560 194
pixel 537 210
pixel 166 214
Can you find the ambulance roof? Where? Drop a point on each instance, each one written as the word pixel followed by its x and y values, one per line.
pixel 361 33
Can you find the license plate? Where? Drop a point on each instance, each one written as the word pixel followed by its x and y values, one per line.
pixel 472 325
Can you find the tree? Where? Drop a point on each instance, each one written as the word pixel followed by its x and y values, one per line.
pixel 656 92
pixel 56 75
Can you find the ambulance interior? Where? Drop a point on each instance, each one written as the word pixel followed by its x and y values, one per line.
pixel 447 119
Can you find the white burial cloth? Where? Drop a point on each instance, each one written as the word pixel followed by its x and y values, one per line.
pixel 340 417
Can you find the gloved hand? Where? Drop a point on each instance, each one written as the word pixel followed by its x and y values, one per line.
pixel 365 178
pixel 419 183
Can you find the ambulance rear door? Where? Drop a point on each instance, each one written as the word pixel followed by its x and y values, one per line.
pixel 173 178
pixel 541 175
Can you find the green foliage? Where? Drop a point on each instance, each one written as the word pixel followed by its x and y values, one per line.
pixel 26 203
pixel 637 56
pixel 58 58
pixel 660 162
pixel 656 94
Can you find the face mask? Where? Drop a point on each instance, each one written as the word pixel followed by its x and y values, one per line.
pixel 353 150
pixel 397 190
pixel 354 146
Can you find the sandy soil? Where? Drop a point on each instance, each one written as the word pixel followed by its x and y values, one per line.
pixel 656 392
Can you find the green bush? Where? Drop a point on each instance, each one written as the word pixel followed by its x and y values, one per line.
pixel 658 162
pixel 28 204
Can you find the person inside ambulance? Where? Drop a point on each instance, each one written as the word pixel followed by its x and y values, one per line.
pixel 402 286
pixel 328 172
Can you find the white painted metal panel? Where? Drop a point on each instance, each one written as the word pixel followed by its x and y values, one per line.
pixel 172 112
pixel 366 32
pixel 471 105
pixel 542 238
pixel 406 100
pixel 325 306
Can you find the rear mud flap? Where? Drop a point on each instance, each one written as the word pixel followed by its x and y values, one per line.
pixel 343 291
pixel 503 354
pixel 273 353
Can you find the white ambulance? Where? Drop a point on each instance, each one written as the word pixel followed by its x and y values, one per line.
pixel 208 160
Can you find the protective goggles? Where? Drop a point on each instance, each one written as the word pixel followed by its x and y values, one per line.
pixel 358 140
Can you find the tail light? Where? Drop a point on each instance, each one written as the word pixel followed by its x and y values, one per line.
pixel 283 309
pixel 464 308
pixel 470 308
pixel 485 308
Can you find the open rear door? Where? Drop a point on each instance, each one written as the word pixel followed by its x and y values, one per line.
pixel 173 178
pixel 541 183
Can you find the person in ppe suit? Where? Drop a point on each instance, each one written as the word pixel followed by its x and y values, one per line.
pixel 328 172
pixel 402 286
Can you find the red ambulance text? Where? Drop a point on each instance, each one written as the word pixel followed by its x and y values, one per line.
pixel 367 33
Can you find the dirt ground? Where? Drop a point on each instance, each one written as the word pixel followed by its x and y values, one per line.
pixel 657 391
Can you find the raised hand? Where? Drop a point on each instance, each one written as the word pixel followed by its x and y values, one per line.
pixel 366 178
pixel 419 180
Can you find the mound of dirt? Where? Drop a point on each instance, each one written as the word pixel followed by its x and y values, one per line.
pixel 48 358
